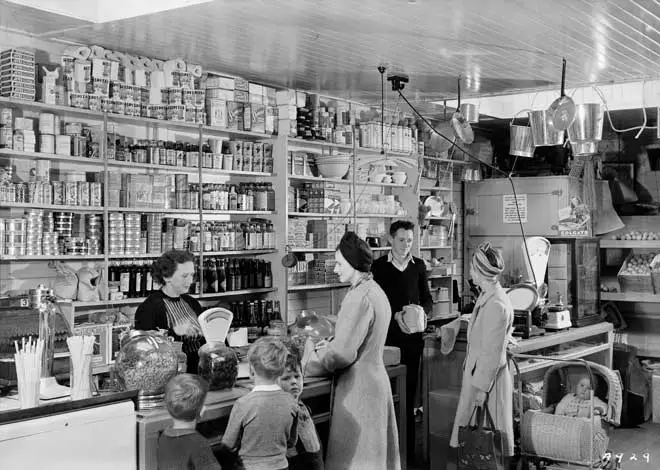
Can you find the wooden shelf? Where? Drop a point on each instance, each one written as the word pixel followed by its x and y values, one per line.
pixel 216 171
pixel 53 257
pixel 54 207
pixel 446 160
pixel 221 131
pixel 649 244
pixel 207 296
pixel 567 354
pixel 53 157
pixel 314 179
pixel 153 210
pixel 210 212
pixel 318 214
pixel 306 287
pixel 630 297
pixel 237 252
pixel 317 144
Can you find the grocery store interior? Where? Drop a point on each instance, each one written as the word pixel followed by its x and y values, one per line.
pixel 253 135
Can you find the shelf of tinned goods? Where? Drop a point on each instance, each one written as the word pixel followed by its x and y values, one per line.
pixel 206 296
pixel 120 118
pixel 51 257
pixel 153 210
pixel 317 214
pixel 305 287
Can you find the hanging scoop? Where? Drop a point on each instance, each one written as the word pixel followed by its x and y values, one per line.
pixel 460 125
pixel 561 112
pixel 215 323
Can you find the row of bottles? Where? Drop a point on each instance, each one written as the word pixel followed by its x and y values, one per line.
pixel 226 275
pixel 233 236
pixel 255 313
pixel 241 197
pixel 132 278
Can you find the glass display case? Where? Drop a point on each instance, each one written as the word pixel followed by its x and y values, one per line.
pixel 574 274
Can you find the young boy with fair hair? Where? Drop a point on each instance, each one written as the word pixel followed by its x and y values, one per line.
pixel 306 453
pixel 181 446
pixel 263 423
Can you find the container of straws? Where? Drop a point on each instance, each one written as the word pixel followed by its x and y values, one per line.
pixel 28 370
pixel 81 349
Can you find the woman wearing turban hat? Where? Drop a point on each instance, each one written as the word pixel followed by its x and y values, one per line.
pixel 485 373
pixel 363 429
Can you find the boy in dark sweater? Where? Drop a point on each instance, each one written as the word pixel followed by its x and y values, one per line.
pixel 263 423
pixel 403 278
pixel 306 454
pixel 181 446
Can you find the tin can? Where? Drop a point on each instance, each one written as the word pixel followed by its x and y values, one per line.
pixel 49 124
pixel 47 193
pixel 190 114
pixel 71 193
pixel 15 225
pixel 198 98
pixel 207 160
pixel 115 89
pixel 217 161
pixel 6 117
pixel 188 97
pixel 34 193
pixel 63 144
pixel 176 113
pixel 101 86
pixel 21 192
pixel 106 104
pixel 157 111
pixel 79 100
pixel 124 91
pixel 95 102
pixel 200 115
pixel 83 193
pixel 175 96
pixel 96 194
pixel 6 137
pixel 180 182
pixel 118 107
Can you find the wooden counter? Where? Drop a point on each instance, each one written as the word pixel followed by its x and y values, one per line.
pixel 442 376
pixel 218 406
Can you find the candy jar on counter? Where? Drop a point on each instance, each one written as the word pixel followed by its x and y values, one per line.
pixel 218 363
pixel 146 361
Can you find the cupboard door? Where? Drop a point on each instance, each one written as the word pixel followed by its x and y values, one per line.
pixel 490 208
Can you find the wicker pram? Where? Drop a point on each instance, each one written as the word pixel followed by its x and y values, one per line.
pixel 581 441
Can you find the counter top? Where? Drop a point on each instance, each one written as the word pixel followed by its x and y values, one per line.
pixel 47 408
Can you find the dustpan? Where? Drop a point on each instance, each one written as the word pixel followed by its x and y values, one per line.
pixel 215 323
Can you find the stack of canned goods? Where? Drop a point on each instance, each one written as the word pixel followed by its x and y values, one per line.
pixel 74 193
pixel 94 233
pixel 63 224
pixel 154 228
pixel 75 246
pixel 49 243
pixel 116 233
pixel 132 226
pixel 14 237
pixel 34 233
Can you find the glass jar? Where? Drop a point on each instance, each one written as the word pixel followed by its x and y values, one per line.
pixel 218 365
pixel 146 361
pixel 182 359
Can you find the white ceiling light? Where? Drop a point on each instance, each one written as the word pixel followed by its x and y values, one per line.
pixel 103 11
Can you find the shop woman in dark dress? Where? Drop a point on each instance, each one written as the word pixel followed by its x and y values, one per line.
pixel 171 308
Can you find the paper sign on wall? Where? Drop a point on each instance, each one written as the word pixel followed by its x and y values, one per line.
pixel 510 212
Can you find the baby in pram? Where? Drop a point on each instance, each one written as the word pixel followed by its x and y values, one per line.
pixel 577 404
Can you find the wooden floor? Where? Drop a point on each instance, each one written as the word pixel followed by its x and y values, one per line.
pixel 639 448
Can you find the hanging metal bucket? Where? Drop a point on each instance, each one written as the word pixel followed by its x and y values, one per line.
pixel 543 133
pixel 587 147
pixel 588 123
pixel 470 112
pixel 520 139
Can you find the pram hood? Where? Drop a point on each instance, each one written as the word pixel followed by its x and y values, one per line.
pixel 607 386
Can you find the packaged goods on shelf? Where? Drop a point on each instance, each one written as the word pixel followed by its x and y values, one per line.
pixel 326 233
pixel 17 74
pixel 297 234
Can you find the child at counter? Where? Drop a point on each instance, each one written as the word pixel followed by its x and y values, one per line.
pixel 306 453
pixel 263 423
pixel 181 446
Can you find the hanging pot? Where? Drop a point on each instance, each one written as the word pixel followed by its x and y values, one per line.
pixel 561 112
pixel 543 134
pixel 460 125
pixel 588 123
pixel 589 147
pixel 520 139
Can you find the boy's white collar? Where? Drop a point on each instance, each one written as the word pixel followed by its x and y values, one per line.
pixel 266 388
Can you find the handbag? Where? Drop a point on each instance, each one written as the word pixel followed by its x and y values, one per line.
pixel 480 445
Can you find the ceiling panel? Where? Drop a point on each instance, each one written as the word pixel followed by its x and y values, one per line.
pixel 335 47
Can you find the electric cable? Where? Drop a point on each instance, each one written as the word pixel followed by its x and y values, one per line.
pixel 494 168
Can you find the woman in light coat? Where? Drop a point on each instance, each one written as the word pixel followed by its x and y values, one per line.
pixel 486 363
pixel 363 429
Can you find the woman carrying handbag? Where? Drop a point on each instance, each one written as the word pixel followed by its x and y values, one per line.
pixel 486 365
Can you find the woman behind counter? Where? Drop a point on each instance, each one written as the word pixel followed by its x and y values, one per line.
pixel 363 431
pixel 485 372
pixel 171 308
